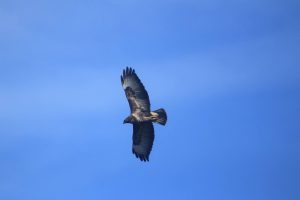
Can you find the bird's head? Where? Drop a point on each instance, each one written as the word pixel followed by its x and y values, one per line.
pixel 128 120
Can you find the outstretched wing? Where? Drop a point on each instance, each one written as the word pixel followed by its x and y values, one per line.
pixel 135 91
pixel 143 137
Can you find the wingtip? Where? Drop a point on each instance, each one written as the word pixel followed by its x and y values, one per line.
pixel 141 157
pixel 128 71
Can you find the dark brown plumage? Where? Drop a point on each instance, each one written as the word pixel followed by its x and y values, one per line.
pixel 141 116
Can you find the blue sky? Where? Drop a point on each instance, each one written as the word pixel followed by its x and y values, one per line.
pixel 227 72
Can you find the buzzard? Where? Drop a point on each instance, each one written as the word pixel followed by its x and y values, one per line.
pixel 141 116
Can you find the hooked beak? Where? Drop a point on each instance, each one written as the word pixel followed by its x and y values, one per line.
pixel 127 120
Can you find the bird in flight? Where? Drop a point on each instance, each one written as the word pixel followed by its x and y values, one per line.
pixel 141 116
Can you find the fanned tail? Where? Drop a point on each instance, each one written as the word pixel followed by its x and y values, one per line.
pixel 162 116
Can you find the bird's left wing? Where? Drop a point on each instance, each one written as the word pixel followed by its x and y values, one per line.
pixel 142 138
pixel 135 91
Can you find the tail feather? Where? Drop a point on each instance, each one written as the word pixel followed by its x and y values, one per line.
pixel 162 116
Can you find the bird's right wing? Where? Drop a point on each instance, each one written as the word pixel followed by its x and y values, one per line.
pixel 143 137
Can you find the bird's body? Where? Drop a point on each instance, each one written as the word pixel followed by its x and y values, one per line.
pixel 141 116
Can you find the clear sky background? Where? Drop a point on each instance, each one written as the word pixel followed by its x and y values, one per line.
pixel 227 72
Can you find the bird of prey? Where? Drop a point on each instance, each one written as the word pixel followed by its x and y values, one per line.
pixel 141 116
